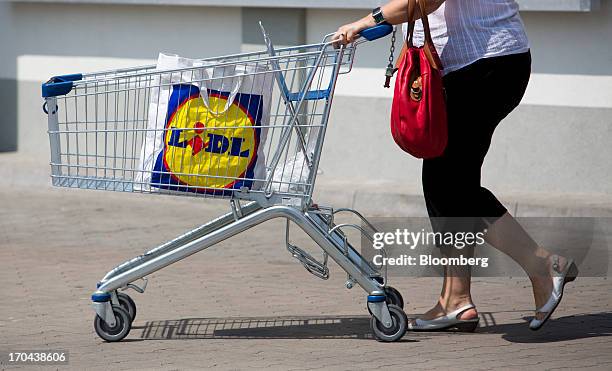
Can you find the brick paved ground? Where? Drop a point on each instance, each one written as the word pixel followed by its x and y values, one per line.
pixel 245 303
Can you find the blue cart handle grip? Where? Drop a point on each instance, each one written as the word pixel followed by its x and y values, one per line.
pixel 376 32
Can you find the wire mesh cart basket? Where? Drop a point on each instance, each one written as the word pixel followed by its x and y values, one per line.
pixel 248 128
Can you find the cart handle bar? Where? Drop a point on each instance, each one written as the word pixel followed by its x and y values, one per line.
pixel 376 32
pixel 369 34
pixel 60 85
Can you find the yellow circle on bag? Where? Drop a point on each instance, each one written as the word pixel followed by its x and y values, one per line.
pixel 207 147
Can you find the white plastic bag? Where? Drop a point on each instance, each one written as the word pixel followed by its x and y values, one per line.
pixel 205 129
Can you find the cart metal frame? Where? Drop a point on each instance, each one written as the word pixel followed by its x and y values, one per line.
pixel 314 69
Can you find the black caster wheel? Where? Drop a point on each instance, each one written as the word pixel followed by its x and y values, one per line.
pixel 121 329
pixel 397 329
pixel 126 302
pixel 394 296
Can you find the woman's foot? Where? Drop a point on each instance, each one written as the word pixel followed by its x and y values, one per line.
pixel 543 284
pixel 459 316
pixel 561 271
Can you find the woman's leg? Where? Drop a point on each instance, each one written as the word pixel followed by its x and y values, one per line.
pixel 507 235
pixel 478 98
pixel 455 293
pixel 447 187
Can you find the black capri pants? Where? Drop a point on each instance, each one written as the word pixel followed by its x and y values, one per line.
pixel 479 97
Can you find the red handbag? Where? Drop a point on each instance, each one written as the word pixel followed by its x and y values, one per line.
pixel 418 114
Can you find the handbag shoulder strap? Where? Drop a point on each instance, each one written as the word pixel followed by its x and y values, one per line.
pixel 425 21
pixel 429 47
pixel 412 4
pixel 433 60
pixel 408 42
pixel 411 8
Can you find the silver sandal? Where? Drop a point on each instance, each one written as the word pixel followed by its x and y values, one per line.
pixel 560 279
pixel 449 322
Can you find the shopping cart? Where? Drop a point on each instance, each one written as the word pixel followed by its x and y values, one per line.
pixel 99 121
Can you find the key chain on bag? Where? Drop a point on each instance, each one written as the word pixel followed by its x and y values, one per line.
pixel 390 71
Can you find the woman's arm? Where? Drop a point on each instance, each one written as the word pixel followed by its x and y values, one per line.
pixel 395 12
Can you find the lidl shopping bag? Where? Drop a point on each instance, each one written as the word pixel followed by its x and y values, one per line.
pixel 206 127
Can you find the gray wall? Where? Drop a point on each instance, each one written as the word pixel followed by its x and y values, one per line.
pixel 545 146
pixel 8 84
pixel 97 31
pixel 571 43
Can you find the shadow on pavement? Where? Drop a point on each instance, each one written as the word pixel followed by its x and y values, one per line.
pixel 358 327
pixel 300 327
pixel 574 327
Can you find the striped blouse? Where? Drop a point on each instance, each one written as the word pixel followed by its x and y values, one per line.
pixel 465 31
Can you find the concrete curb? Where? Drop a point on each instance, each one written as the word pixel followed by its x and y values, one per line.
pixel 377 200
pixel 372 199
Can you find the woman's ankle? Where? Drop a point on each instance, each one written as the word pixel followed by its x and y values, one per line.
pixel 543 273
pixel 444 307
pixel 540 266
pixel 456 303
pixel 453 303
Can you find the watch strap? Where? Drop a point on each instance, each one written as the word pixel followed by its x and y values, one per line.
pixel 378 15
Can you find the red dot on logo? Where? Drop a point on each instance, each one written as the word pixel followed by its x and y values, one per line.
pixel 199 127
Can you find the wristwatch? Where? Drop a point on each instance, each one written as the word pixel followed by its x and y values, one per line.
pixel 378 16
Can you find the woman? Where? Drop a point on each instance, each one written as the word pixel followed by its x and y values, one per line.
pixel 487 64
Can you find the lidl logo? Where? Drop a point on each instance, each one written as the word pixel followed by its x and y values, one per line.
pixel 206 146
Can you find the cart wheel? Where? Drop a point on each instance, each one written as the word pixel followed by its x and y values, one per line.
pixel 121 329
pixel 394 296
pixel 126 302
pixel 396 331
